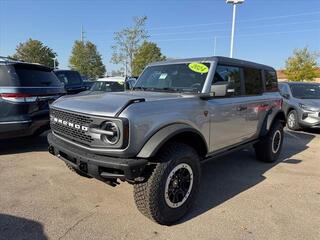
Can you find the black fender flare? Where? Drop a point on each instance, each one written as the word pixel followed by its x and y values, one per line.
pixel 270 118
pixel 163 135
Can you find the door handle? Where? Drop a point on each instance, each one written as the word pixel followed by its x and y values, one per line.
pixel 242 108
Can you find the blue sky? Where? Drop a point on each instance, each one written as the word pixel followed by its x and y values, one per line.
pixel 267 31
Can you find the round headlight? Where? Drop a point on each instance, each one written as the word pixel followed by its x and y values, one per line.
pixel 112 128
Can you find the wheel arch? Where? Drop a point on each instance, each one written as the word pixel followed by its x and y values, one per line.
pixel 270 119
pixel 175 132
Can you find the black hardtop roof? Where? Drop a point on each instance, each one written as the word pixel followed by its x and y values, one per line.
pixel 223 60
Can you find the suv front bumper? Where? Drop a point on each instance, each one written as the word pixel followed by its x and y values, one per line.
pixel 309 119
pixel 100 167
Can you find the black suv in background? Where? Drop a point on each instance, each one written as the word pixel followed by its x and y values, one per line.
pixel 72 81
pixel 26 90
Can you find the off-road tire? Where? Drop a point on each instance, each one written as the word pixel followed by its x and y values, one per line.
pixel 295 126
pixel 72 169
pixel 265 148
pixel 149 196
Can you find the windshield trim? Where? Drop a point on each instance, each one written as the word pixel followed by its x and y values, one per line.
pixel 204 86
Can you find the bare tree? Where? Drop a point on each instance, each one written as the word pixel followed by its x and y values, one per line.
pixel 127 43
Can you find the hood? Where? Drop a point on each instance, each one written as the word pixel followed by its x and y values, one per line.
pixel 108 104
pixel 310 102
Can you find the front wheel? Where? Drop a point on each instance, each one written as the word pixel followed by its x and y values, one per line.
pixel 269 147
pixel 292 120
pixel 171 189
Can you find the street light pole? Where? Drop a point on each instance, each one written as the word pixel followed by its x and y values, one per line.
pixel 54 62
pixel 234 3
pixel 215 46
pixel 232 30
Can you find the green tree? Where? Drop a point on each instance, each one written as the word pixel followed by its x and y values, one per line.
pixel 86 59
pixel 35 51
pixel 127 43
pixel 302 66
pixel 148 52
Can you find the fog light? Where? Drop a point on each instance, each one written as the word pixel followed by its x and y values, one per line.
pixel 304 115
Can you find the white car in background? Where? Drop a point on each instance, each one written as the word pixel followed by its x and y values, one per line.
pixel 112 84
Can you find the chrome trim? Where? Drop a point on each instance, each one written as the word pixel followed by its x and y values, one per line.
pixel 101 131
pixel 15 122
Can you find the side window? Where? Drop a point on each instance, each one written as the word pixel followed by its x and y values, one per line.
pixel 253 81
pixel 230 75
pixel 284 89
pixel 5 78
pixel 271 81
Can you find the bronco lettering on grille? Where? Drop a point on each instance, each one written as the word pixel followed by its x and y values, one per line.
pixel 56 120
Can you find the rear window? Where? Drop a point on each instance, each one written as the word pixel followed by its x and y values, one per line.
pixel 35 76
pixel 271 81
pixel 69 77
pixel 253 81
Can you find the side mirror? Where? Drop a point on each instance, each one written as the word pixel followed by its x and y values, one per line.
pixel 221 89
pixel 206 96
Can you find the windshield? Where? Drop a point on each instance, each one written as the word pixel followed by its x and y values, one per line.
pixel 69 77
pixel 108 86
pixel 306 91
pixel 185 77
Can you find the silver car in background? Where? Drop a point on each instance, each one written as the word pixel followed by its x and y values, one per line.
pixel 301 104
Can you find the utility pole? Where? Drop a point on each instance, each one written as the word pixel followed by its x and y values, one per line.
pixel 234 3
pixel 82 34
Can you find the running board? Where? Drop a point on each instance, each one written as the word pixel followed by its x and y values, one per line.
pixel 227 151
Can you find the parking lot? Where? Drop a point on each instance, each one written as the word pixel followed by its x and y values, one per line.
pixel 240 198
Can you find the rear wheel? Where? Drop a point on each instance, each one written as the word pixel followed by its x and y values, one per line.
pixel 292 120
pixel 269 147
pixel 169 192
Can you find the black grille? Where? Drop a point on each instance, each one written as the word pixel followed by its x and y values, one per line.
pixel 77 135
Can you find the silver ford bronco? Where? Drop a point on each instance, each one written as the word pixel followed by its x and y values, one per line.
pixel 179 114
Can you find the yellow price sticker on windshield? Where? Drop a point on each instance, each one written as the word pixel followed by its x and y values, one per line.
pixel 120 82
pixel 198 67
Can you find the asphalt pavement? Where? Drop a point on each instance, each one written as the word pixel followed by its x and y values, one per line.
pixel 240 198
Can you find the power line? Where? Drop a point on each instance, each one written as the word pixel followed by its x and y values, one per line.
pixel 248 20
pixel 221 23
pixel 240 28
pixel 240 35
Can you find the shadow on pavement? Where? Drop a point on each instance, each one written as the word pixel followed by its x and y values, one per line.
pixel 25 144
pixel 17 228
pixel 225 177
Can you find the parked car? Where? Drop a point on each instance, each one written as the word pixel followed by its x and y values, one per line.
pixel 301 104
pixel 109 84
pixel 26 90
pixel 72 81
pixel 179 114
pixel 87 83
pixel 112 84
